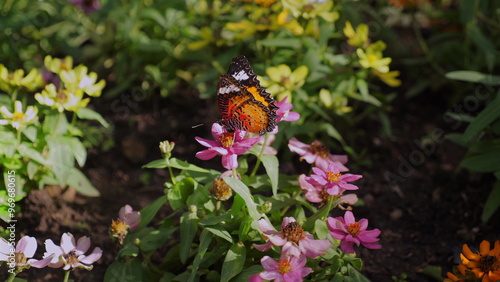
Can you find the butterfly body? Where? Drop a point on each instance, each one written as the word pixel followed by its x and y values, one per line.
pixel 243 103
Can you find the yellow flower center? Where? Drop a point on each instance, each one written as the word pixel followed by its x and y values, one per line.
pixel 332 176
pixel 293 232
pixel 489 263
pixel 19 258
pixel 220 190
pixel 227 139
pixel 319 149
pixel 61 97
pixel 119 230
pixel 284 266
pixel 308 8
pixel 353 228
pixel 372 58
pixel 71 258
pixel 17 116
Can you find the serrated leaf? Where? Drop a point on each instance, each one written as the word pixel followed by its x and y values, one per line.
pixel 233 262
pixel 271 164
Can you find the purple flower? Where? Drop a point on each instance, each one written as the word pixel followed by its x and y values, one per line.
pixel 317 153
pixel 70 255
pixel 351 232
pixel 130 217
pixel 332 180
pixel 87 6
pixel 293 238
pixel 21 256
pixel 227 144
pixel 317 193
pixel 287 269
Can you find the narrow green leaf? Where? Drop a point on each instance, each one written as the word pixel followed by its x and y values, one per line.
pixel 484 119
pixel 271 164
pixel 149 211
pixel 189 227
pixel 176 163
pixel 161 163
pixel 86 113
pixel 233 262
pixel 78 150
pixel 81 183
pixel 488 162
pixel 474 76
pixel 492 203
pixel 205 240
pixel 217 230
pixel 244 192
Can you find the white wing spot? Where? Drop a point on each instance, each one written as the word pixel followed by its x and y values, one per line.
pixel 228 89
pixel 242 75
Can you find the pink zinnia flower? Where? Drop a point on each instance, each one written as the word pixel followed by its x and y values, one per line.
pixel 22 254
pixel 70 255
pixel 284 112
pixel 334 182
pixel 287 269
pixel 351 232
pixel 87 6
pixel 227 144
pixel 317 193
pixel 317 153
pixel 293 238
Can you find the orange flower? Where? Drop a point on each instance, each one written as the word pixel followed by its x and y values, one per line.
pixel 485 264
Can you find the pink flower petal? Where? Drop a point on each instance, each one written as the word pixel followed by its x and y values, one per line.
pixel 67 242
pixel 124 211
pixel 230 161
pixel 263 247
pixel 314 248
pixel 27 245
pixel 266 228
pixel 290 249
pixel 207 143
pixel 93 257
pixel 40 263
pixel 349 217
pixel 298 147
pixel 82 245
pixel 206 154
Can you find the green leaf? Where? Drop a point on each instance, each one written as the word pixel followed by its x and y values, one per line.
pixel 32 169
pixel 175 163
pixel 55 123
pixel 189 227
pixel 86 113
pixel 26 150
pixel 483 43
pixel 31 132
pixel 242 190
pixel 488 162
pixel 271 164
pixel 178 195
pixel 492 203
pixel 130 270
pixel 220 232
pixel 78 150
pixel 161 163
pixel 205 240
pixel 156 238
pixel 81 183
pixel 474 76
pixel 484 119
pixel 149 211
pixel 233 262
pixel 282 42
pixel 60 157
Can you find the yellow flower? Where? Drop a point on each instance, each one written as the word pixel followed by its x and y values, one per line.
pixel 282 81
pixel 373 57
pixel 358 37
pixel 335 101
pixel 79 79
pixel 16 80
pixel 309 9
pixel 55 65
pixel 19 119
pixel 389 78
pixel 62 99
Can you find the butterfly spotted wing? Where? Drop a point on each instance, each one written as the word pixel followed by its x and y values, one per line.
pixel 243 103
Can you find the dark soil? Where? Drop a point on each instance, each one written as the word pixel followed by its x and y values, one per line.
pixel 427 211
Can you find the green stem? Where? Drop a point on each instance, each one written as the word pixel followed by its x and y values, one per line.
pixel 261 153
pixel 14 95
pixel 66 275
pixel 11 277
pixel 170 171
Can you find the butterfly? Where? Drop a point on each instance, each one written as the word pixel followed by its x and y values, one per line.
pixel 243 103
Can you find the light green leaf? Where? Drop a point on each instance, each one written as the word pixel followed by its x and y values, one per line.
pixel 78 150
pixel 220 232
pixel 474 76
pixel 60 157
pixel 86 113
pixel 176 163
pixel 242 190
pixel 271 164
pixel 80 182
pixel 233 262
pixel 55 123
pixel 26 150
pixel 161 163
